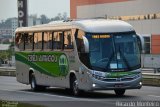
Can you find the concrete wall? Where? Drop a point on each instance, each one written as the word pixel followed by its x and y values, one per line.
pixel 129 7
pixel 75 3
pixel 151 26
pixel 103 8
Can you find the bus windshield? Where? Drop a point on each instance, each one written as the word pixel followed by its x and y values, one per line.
pixel 113 52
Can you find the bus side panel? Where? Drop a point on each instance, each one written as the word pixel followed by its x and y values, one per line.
pixel 59 80
pixel 22 72
pixel 46 80
pixel 50 68
pixel 43 79
pixel 64 80
pixel 82 74
pixel 84 81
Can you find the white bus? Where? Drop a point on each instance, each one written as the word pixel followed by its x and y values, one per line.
pixel 88 55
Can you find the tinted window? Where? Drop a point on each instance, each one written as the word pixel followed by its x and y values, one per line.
pixel 48 40
pixel 38 40
pixel 29 41
pixel 68 40
pixel 57 43
pixel 19 41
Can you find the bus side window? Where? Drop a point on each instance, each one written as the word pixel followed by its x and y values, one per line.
pixel 68 40
pixel 38 41
pixel 79 41
pixel 84 57
pixel 29 41
pixel 47 40
pixel 58 40
pixel 19 41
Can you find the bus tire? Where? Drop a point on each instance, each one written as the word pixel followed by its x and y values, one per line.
pixel 74 86
pixel 34 86
pixel 119 92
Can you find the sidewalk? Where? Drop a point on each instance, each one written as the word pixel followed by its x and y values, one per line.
pixel 7 71
pixel 149 71
pixel 150 77
pixel 7 67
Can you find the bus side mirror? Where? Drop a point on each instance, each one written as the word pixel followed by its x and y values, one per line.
pixel 86 44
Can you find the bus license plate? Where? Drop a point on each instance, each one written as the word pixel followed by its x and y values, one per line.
pixel 119 85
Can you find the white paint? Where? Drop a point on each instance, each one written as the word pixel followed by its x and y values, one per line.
pixel 65 98
pixel 88 25
pixel 20 4
pixel 153 96
pixel 104 26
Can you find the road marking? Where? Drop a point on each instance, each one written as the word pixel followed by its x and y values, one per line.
pixel 76 99
pixel 154 96
pixel 51 95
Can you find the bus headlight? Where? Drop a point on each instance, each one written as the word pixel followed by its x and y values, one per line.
pixel 140 83
pixel 98 77
pixel 93 85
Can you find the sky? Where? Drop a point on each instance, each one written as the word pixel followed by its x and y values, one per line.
pixel 8 8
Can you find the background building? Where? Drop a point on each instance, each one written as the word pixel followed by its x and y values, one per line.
pixel 143 15
pixel 33 20
pixel 14 25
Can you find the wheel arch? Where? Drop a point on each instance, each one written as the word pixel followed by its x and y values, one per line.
pixel 71 76
pixel 31 71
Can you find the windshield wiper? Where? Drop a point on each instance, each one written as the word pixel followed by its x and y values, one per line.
pixel 125 60
pixel 110 59
pixel 98 68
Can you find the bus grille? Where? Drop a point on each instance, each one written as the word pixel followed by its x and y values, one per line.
pixel 128 78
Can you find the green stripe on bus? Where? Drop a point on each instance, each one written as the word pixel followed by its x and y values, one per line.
pixel 40 62
pixel 120 74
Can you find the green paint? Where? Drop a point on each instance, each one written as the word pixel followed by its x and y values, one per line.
pixel 50 63
pixel 120 74
pixel 63 64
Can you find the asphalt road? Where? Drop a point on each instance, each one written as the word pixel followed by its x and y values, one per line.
pixel 11 90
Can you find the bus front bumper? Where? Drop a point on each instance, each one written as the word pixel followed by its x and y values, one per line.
pixel 107 85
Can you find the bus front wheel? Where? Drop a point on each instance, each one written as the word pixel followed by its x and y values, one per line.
pixel 74 86
pixel 119 92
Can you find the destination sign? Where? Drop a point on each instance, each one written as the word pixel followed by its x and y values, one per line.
pixel 100 36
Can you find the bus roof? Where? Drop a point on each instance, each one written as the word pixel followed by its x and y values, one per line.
pixel 104 26
pixel 88 25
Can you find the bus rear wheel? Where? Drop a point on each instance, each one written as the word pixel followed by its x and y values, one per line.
pixel 34 86
pixel 119 92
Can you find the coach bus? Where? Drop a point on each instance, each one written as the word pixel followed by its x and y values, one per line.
pixel 80 55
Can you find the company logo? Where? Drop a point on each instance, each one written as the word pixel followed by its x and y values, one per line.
pixel 63 65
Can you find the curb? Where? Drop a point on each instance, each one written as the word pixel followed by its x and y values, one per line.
pixel 151 79
pixel 7 72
